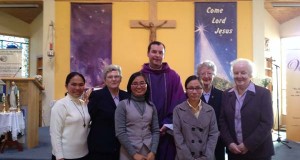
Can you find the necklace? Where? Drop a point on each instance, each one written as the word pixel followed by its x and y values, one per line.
pixel 81 113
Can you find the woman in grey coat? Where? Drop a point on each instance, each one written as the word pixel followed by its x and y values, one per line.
pixel 195 126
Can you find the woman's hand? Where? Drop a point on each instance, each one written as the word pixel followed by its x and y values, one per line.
pixel 150 156
pixel 234 148
pixel 243 148
pixel 163 130
pixel 86 95
pixel 139 157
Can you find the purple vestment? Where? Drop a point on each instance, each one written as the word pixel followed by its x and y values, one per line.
pixel 166 92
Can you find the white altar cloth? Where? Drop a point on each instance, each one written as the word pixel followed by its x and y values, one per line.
pixel 13 122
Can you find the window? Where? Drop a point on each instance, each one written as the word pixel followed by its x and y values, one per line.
pixel 7 42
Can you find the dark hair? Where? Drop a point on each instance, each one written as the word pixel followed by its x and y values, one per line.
pixel 155 43
pixel 131 79
pixel 71 75
pixel 191 78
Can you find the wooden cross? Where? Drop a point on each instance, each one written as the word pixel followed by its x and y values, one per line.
pixel 152 24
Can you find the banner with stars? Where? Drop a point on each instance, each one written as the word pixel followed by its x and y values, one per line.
pixel 91 40
pixel 216 35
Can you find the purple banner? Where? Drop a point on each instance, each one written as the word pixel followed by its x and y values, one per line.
pixel 91 28
pixel 215 35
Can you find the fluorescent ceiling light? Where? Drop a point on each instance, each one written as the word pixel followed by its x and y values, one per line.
pixel 19 5
pixel 285 4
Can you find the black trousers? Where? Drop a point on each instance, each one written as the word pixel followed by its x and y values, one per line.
pixel 241 158
pixel 82 158
pixel 220 150
pixel 103 156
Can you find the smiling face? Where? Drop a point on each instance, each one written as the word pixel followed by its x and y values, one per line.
pixel 241 75
pixel 113 79
pixel 75 86
pixel 206 74
pixel 139 86
pixel 156 55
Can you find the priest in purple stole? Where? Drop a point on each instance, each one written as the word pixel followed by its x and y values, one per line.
pixel 166 92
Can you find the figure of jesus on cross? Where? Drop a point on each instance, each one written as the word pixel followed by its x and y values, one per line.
pixel 152 24
pixel 152 28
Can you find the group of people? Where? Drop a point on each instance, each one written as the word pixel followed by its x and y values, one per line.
pixel 156 120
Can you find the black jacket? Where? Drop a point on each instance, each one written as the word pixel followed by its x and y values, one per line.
pixel 102 139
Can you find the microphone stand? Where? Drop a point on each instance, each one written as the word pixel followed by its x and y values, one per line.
pixel 278 120
pixel 17 72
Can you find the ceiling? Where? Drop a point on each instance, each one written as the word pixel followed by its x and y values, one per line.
pixel 25 14
pixel 281 14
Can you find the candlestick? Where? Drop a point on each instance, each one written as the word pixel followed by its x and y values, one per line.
pixel 18 101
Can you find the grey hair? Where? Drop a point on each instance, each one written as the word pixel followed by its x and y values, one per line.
pixel 110 68
pixel 209 64
pixel 250 66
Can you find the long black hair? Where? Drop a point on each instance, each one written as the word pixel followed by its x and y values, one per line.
pixel 131 79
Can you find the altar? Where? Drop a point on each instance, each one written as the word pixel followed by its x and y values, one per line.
pixel 11 123
pixel 29 96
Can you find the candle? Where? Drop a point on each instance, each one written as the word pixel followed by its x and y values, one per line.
pixel 3 100
pixel 18 94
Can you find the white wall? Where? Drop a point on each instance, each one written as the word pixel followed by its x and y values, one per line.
pixel 36 43
pixel 272 33
pixel 10 25
pixel 258 37
pixel 48 64
pixel 290 28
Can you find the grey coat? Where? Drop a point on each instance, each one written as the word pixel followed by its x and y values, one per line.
pixel 195 138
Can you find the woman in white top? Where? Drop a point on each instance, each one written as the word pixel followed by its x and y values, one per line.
pixel 69 122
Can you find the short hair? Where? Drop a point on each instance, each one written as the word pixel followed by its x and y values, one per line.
pixel 110 68
pixel 209 64
pixel 155 43
pixel 250 66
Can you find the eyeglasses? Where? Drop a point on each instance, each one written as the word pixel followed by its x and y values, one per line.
pixel 113 77
pixel 142 84
pixel 191 89
pixel 206 74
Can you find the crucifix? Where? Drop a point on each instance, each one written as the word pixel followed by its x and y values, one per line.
pixel 152 24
